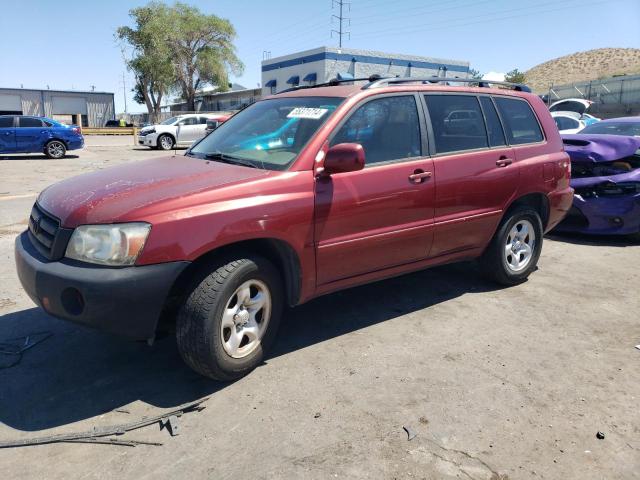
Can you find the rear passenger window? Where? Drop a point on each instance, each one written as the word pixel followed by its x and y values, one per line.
pixel 457 122
pixel 494 128
pixel 519 121
pixel 29 122
pixel 6 122
pixel 388 128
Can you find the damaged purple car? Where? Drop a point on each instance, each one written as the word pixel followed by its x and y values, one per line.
pixel 605 174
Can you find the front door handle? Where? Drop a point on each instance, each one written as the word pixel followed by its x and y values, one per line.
pixel 419 176
pixel 504 161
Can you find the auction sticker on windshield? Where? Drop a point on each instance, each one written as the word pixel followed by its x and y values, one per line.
pixel 308 113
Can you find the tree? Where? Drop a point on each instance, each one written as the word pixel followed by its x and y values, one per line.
pixel 515 76
pixel 150 59
pixel 178 48
pixel 474 74
pixel 203 51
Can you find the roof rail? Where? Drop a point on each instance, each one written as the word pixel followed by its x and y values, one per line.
pixel 387 81
pixel 334 82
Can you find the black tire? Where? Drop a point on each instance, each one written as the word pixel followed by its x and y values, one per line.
pixel 494 261
pixel 165 142
pixel 199 328
pixel 55 149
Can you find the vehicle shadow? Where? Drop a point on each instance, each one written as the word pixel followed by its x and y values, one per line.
pixel 78 374
pixel 595 240
pixel 36 157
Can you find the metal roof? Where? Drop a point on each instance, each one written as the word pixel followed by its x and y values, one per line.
pixel 81 92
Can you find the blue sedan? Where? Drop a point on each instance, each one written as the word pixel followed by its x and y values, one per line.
pixel 23 134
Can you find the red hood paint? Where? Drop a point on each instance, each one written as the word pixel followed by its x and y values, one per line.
pixel 117 193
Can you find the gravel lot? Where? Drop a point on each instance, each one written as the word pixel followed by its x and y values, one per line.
pixel 497 383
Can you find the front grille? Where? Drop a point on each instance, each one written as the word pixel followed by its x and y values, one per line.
pixel 46 235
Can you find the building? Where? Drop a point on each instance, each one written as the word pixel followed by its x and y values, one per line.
pixel 325 63
pixel 88 109
pixel 210 100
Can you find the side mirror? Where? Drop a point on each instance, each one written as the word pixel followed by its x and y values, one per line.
pixel 344 157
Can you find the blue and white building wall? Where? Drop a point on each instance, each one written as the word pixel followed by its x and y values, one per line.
pixel 325 63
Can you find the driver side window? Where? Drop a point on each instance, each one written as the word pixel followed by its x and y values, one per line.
pixel 388 128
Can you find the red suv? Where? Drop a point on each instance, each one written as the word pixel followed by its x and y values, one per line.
pixel 301 194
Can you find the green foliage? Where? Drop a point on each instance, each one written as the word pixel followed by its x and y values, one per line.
pixel 178 48
pixel 515 76
pixel 203 50
pixel 150 59
pixel 475 74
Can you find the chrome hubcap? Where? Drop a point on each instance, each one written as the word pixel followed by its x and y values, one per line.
pixel 166 142
pixel 245 318
pixel 56 149
pixel 520 245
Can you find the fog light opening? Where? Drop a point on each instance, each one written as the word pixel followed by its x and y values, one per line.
pixel 616 221
pixel 72 301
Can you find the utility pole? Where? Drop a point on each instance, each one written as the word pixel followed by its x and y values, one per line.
pixel 124 92
pixel 341 19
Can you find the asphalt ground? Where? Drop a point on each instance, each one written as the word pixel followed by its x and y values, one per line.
pixel 495 382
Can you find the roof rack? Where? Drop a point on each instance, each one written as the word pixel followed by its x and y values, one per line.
pixel 334 82
pixel 387 81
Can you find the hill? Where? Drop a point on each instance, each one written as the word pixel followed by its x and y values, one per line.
pixel 589 65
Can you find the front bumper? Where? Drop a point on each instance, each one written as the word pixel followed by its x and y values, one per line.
pixel 125 301
pixel 604 215
pixel 150 140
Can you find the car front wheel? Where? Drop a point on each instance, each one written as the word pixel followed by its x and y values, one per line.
pixel 230 318
pixel 55 149
pixel 515 248
pixel 165 142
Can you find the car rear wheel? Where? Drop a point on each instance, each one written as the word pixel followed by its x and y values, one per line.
pixel 515 248
pixel 230 318
pixel 55 149
pixel 165 142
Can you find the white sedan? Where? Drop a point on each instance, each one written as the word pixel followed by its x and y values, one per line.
pixel 568 122
pixel 179 131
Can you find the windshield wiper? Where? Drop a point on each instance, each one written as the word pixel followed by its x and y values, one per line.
pixel 225 158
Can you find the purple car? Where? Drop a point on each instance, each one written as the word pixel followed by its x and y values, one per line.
pixel 605 174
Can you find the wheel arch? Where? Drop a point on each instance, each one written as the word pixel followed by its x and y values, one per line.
pixel 168 134
pixel 279 252
pixel 55 139
pixel 536 200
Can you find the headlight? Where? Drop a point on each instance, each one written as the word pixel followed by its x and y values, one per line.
pixel 117 244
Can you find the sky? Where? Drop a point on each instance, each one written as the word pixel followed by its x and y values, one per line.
pixel 70 44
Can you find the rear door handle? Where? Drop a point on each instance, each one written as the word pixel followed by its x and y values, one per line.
pixel 419 176
pixel 504 161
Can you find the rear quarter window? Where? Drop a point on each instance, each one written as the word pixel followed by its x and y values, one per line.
pixel 520 123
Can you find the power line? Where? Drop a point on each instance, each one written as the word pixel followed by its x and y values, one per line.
pixel 341 18
pixel 452 23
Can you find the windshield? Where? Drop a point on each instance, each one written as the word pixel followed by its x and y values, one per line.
pixel 614 128
pixel 170 121
pixel 269 134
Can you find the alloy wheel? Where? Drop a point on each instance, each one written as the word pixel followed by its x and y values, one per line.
pixel 520 245
pixel 55 149
pixel 245 318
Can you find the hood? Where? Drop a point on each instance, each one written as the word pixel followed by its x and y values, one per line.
pixel 599 148
pixel 578 105
pixel 116 194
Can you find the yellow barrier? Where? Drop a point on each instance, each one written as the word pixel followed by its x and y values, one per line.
pixel 110 131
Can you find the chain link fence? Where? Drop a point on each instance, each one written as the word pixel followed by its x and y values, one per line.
pixel 616 96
